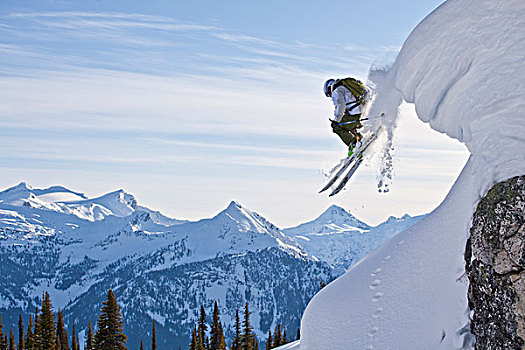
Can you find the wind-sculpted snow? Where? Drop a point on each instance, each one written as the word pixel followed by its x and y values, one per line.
pixel 468 80
pixel 462 67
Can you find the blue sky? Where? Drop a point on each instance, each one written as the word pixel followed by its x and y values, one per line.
pixel 190 104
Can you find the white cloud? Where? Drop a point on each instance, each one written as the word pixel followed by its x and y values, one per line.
pixel 104 99
pixel 238 38
pixel 184 102
pixel 73 20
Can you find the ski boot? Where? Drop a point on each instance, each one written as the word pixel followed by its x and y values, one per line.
pixel 354 148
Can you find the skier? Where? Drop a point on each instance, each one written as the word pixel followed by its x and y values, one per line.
pixel 348 96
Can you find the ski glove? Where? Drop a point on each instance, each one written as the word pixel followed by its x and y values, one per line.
pixel 334 124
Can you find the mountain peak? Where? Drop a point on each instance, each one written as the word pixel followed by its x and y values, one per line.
pixel 336 210
pixel 234 205
pixel 238 229
pixel 21 187
pixel 394 219
pixel 16 195
pixel 237 211
pixel 333 219
pixel 119 196
pixel 24 185
pixel 339 215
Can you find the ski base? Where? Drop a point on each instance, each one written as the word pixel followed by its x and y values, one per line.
pixel 347 177
pixel 354 166
pixel 346 163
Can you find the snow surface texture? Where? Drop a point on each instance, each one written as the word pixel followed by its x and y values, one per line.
pixel 462 67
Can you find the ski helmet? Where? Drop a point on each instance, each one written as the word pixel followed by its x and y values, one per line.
pixel 328 87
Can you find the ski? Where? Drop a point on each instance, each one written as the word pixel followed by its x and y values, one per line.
pixel 346 163
pixel 347 177
pixel 355 165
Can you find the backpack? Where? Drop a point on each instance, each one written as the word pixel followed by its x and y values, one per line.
pixel 356 87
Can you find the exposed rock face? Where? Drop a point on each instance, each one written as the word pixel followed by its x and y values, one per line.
pixel 495 264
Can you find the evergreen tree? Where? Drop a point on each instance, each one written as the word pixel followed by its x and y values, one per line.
pixel 217 341
pixel 269 340
pixel 74 342
pixel 47 328
pixel 298 337
pixel 12 344
pixel 193 344
pixel 141 345
pixel 30 339
pixel 222 340
pixel 36 332
pixel 58 346
pixel 4 342
pixel 78 343
pixel 201 330
pixel 214 337
pixel 110 334
pixel 4 345
pixel 247 338
pixel 89 338
pixel 322 284
pixel 62 333
pixel 284 340
pixel 153 337
pixel 236 344
pixel 20 333
pixel 277 336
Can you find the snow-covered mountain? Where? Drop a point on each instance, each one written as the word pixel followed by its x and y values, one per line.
pixel 462 67
pixel 341 239
pixel 76 248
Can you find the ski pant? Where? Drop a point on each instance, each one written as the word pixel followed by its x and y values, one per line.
pixel 348 133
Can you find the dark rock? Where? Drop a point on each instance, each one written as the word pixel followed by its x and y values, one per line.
pixel 495 265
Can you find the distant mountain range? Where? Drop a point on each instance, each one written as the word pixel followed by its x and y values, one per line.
pixel 340 239
pixel 76 248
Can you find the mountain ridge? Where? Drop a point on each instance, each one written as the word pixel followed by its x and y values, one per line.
pixel 237 255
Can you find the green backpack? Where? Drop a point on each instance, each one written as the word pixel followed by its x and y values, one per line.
pixel 356 87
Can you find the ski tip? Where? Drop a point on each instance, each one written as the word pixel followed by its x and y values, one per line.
pixel 333 194
pixel 327 186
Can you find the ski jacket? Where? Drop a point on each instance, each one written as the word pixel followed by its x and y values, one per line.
pixel 344 99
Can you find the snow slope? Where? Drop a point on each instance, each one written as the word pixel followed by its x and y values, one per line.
pixel 462 67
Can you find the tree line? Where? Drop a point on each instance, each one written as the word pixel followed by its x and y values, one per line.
pixel 44 333
pixel 244 338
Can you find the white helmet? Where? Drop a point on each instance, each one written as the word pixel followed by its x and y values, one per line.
pixel 328 87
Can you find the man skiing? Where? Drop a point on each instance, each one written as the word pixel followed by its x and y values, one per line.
pixel 348 96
